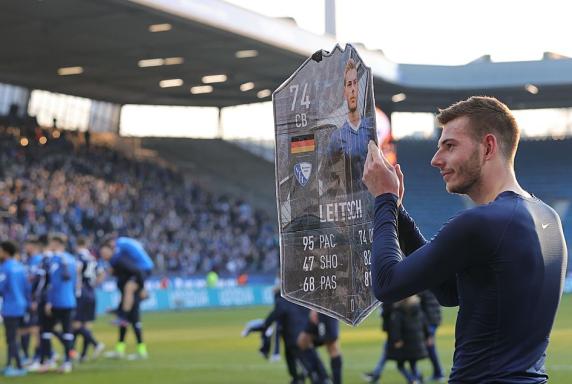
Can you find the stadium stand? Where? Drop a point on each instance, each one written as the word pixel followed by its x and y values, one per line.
pixel 62 186
pixel 222 166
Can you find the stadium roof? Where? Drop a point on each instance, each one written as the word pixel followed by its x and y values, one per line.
pixel 544 83
pixel 106 40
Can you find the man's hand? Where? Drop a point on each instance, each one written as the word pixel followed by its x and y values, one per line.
pixel 379 175
pixel 398 344
pixel 48 309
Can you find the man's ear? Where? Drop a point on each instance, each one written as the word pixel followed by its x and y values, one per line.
pixel 491 146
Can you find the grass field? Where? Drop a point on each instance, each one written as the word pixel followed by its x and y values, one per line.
pixel 205 346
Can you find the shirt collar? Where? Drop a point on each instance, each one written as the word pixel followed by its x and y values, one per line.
pixel 354 127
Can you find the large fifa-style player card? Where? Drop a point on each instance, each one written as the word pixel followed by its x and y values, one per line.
pixel 324 118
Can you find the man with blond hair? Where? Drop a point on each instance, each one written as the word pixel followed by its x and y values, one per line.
pixel 349 142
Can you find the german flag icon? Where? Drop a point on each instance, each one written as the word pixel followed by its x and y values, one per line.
pixel 301 144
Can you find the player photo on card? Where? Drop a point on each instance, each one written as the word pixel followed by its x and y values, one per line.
pixel 324 119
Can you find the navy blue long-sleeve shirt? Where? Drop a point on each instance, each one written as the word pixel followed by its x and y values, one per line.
pixel 503 263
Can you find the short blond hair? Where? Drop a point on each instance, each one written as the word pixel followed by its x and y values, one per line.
pixel 351 64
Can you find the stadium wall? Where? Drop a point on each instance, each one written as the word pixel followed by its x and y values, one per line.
pixel 182 294
pixel 179 294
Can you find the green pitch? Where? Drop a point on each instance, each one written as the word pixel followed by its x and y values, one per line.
pixel 205 346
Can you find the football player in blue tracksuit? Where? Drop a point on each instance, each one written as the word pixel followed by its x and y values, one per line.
pixel 61 301
pixel 15 289
pixel 33 250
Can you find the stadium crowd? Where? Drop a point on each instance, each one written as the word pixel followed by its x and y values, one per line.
pixel 59 194
pixel 68 187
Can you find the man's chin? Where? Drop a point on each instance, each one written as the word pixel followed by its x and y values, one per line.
pixel 451 188
pixel 456 189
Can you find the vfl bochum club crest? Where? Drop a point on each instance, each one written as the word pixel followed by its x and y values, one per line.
pixel 302 172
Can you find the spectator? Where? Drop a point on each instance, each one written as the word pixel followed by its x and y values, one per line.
pixel 408 337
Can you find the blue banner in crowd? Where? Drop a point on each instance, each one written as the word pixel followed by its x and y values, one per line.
pixel 167 297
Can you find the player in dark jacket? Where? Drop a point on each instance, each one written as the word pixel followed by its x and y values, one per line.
pixel 320 330
pixel 90 275
pixel 293 319
pixel 408 337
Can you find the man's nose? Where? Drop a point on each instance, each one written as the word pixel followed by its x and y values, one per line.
pixel 436 161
